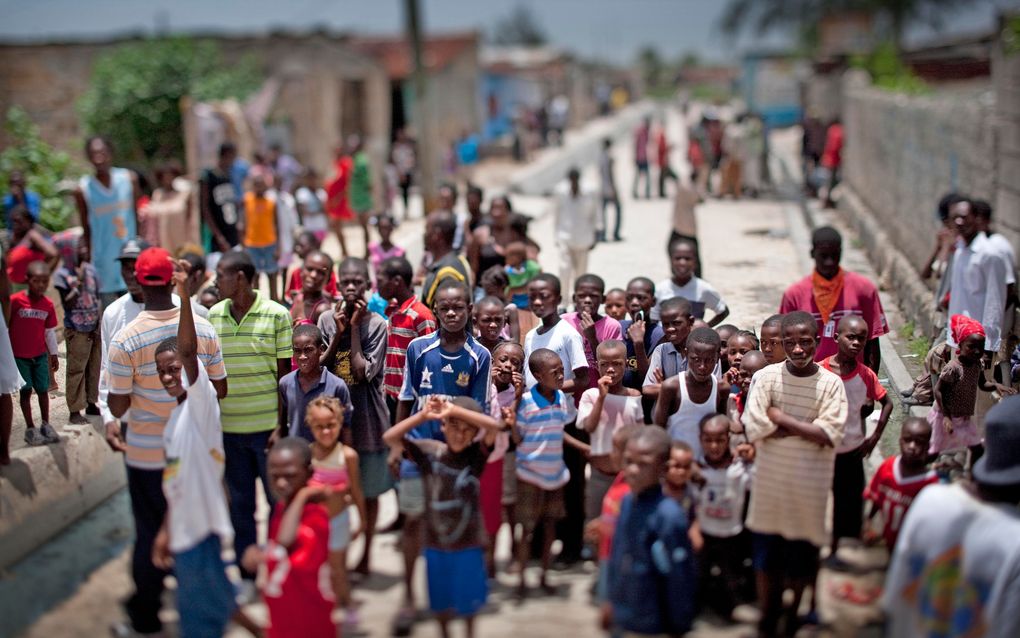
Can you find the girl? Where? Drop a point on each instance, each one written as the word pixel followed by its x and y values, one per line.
pixel 380 251
pixel 494 283
pixel 951 418
pixel 335 465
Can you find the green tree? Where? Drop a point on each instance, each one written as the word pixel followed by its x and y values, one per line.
pixel 652 68
pixel 519 27
pixel 135 93
pixel 801 15
pixel 43 167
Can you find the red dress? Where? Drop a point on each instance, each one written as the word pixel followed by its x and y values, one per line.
pixel 337 206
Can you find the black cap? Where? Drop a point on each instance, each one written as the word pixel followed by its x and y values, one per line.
pixel 132 248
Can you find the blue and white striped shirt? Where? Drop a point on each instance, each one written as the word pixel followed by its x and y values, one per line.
pixel 540 452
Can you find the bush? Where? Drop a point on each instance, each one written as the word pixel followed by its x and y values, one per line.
pixel 43 167
pixel 889 72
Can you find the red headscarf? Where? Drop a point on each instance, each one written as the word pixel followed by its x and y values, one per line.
pixel 963 327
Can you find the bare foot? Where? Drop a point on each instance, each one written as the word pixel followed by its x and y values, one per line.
pixel 77 419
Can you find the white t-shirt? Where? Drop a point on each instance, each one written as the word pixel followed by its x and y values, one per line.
pixel 314 218
pixel 699 292
pixel 561 339
pixel 617 411
pixel 722 498
pixel 192 480
pixel 956 568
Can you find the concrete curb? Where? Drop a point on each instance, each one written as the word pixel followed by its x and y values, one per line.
pixel 47 488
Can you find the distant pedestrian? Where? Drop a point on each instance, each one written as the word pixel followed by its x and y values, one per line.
pixel 79 294
pixel 642 137
pixel 662 151
pixel 404 158
pixel 359 189
pixel 578 223
pixel 610 195
pixel 19 195
pixel 338 206
pixel 219 201
pixel 261 238
pixel 26 246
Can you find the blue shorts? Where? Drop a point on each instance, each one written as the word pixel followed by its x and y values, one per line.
pixel 376 478
pixel 340 531
pixel 457 580
pixel 264 260
pixel 795 559
pixel 205 595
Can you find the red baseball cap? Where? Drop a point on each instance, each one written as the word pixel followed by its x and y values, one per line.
pixel 154 267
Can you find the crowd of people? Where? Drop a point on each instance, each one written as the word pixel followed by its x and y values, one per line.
pixel 693 459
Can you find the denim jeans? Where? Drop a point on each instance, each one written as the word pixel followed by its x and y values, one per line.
pixel 148 508
pixel 245 464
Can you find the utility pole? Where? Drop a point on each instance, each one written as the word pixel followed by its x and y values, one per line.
pixel 426 148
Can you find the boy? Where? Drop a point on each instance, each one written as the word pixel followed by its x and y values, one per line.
pixel 750 364
pixel 259 229
pixel 795 414
pixel 197 524
pixel 900 478
pixel 725 331
pixel 311 301
pixel 448 363
pixel 490 320
pixel 305 244
pixel 519 272
pixel 772 340
pixel 454 537
pixel 544 298
pixel 297 582
pixel 641 334
pixel 602 412
pixel 670 357
pixel 693 394
pixel 683 255
pixel 593 327
pixel 862 390
pixel 616 304
pixel 311 379
pixel 357 354
pixel 651 566
pixel 677 485
pixel 538 433
pixel 79 294
pixel 33 330
pixel 721 515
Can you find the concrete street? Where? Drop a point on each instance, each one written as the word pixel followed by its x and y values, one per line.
pixel 751 251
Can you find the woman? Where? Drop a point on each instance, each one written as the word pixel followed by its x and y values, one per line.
pixel 27 245
pixel 337 207
pixel 490 238
pixel 169 210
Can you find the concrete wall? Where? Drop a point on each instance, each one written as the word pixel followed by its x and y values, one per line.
pixel 1006 83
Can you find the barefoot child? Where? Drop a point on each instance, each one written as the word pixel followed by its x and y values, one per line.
pixel 33 330
pixel 450 471
pixel 862 390
pixel 616 304
pixel 693 394
pixel 335 465
pixel 900 478
pixel 652 577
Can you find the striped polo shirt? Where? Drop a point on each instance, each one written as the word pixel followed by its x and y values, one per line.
pixel 250 351
pixel 540 452
pixel 411 320
pixel 132 370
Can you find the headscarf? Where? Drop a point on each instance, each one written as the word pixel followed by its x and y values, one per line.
pixel 963 326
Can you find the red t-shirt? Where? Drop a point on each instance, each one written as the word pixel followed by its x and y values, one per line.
pixel 832 156
pixel 294 286
pixel 893 494
pixel 610 513
pixel 29 320
pixel 859 297
pixel 297 590
pixel 412 320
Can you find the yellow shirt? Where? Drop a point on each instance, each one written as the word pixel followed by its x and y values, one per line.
pixel 259 221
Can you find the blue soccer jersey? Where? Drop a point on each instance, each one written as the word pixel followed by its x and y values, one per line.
pixel 430 370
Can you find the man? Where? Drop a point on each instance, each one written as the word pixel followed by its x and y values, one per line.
pixel 956 567
pixel 578 223
pixel 609 192
pixel 20 195
pixel 440 231
pixel 641 138
pixel 219 200
pixel 1001 247
pixel 106 208
pixel 255 333
pixel 978 278
pixel 359 189
pixel 134 384
pixel 831 293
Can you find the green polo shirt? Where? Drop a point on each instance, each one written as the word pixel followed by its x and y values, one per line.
pixel 250 350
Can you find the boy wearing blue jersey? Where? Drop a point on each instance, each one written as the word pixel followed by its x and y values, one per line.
pixel 448 363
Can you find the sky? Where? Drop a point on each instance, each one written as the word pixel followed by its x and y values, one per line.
pixel 612 30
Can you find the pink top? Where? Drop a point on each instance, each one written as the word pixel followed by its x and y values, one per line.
pixel 331 470
pixel 377 254
pixel 605 328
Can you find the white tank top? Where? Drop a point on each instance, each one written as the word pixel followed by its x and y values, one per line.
pixel 683 424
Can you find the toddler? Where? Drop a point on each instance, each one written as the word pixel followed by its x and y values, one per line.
pixel 519 271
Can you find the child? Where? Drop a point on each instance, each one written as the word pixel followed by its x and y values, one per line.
pixel 197 523
pixel 304 245
pixel 209 297
pixel 750 364
pixel 651 568
pixel 380 251
pixel 772 340
pixel 490 322
pixel 806 406
pixel 296 558
pixel 449 363
pixel 594 328
pixel 493 283
pixel 259 223
pixel 499 483
pixel 669 358
pixel 79 294
pixel 694 393
pixel 677 485
pixel 519 272
pixel 538 433
pixel 951 417
pixel 453 538
pixel 310 198
pixel 683 255
pixel 308 381
pixel 311 302
pixel 544 300
pixel 641 334
pixel 34 341
pixel 739 344
pixel 862 390
pixel 603 411
pixel 900 478
pixel 725 331
pixel 335 465
pixel 616 304
pixel 727 481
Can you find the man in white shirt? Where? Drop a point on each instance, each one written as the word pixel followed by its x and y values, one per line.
pixel 578 221
pixel 1001 247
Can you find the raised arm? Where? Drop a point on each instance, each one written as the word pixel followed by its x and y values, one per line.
pixel 187 340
